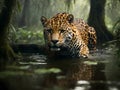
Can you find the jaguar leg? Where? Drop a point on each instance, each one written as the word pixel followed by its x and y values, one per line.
pixel 84 51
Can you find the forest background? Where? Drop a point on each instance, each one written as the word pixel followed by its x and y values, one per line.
pixel 20 19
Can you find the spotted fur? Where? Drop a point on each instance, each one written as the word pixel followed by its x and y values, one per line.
pixel 63 31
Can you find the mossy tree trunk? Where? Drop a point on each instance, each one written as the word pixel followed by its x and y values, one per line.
pixel 96 19
pixel 6 51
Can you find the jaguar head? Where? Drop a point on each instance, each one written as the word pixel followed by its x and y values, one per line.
pixel 57 30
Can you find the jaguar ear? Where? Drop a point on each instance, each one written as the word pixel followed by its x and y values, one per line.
pixel 70 18
pixel 43 20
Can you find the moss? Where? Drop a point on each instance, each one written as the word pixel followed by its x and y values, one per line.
pixel 6 52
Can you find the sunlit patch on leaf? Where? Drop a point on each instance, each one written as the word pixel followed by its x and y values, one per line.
pixel 90 62
pixel 54 70
pixel 32 63
pixel 45 71
pixel 25 67
pixel 18 67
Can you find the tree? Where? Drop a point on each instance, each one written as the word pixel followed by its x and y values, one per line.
pixel 96 19
pixel 6 51
pixel 25 12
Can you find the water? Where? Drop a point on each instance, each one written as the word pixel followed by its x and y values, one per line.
pixel 36 72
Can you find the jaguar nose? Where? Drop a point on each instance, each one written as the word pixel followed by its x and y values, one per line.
pixel 54 41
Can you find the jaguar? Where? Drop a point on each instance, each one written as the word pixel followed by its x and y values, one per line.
pixel 65 35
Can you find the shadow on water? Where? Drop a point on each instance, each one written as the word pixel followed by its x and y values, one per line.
pixel 36 72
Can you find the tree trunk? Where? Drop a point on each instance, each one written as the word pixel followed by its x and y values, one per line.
pixel 6 51
pixel 96 19
pixel 25 14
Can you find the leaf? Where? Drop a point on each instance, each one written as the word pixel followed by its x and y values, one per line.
pixel 45 71
pixel 90 62
pixel 55 70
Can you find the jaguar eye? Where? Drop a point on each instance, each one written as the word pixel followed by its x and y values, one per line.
pixel 49 30
pixel 62 31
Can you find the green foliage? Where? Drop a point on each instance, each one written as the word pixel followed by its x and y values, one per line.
pixel 24 70
pixel 45 71
pixel 112 13
pixel 90 62
pixel 26 36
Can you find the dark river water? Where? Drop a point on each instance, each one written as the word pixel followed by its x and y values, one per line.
pixel 101 71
